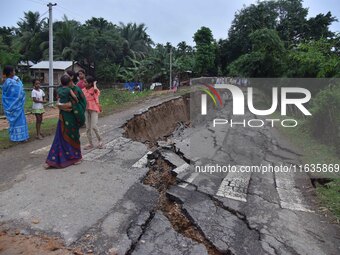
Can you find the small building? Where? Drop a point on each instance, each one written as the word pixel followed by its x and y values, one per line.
pixel 41 69
pixel 24 66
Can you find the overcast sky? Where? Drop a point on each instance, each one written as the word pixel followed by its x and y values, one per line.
pixel 167 20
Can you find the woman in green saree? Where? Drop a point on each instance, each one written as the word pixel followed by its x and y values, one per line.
pixel 65 150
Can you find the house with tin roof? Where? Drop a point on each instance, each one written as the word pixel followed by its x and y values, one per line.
pixel 41 69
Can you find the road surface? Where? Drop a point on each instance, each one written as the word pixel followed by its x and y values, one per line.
pixel 103 205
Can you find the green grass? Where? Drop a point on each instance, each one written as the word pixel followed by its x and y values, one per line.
pixel 314 152
pixel 112 99
pixel 47 128
pixel 330 196
pixel 28 101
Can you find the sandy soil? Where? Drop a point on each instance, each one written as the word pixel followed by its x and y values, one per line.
pixel 15 243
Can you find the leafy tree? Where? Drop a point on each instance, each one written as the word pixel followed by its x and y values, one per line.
pixel 137 42
pixel 246 21
pixel 97 41
pixel 183 48
pixel 318 27
pixel 291 22
pixel 287 17
pixel 205 52
pixel 100 24
pixel 314 59
pixel 108 71
pixel 64 39
pixel 184 58
pixel 33 33
pixel 9 54
pixel 7 34
pixel 156 66
pixel 266 59
pixel 133 73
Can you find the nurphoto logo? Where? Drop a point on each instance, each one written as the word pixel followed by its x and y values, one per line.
pixel 238 103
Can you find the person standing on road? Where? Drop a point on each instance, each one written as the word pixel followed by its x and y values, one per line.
pixel 80 107
pixel 175 84
pixel 38 97
pixel 81 76
pixel 13 101
pixel 93 108
pixel 65 150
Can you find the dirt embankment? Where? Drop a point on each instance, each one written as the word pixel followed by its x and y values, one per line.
pixel 159 121
pixel 15 243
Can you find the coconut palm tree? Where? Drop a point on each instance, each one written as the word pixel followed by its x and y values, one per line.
pixel 137 43
pixel 64 39
pixel 98 42
pixel 32 32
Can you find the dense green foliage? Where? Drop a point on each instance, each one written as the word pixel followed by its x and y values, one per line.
pixel 325 121
pixel 113 53
pixel 266 39
pixel 267 58
pixel 294 35
pixel 205 52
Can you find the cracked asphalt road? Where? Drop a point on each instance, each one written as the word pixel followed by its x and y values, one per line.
pixel 103 206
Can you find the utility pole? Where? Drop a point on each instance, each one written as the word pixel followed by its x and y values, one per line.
pixel 50 53
pixel 170 68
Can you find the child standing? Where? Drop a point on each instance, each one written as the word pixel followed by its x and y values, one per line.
pixel 81 82
pixel 38 97
pixel 92 94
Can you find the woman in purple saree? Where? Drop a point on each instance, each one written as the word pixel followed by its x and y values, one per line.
pixel 13 100
pixel 65 150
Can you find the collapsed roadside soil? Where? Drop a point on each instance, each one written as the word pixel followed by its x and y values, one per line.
pixel 159 121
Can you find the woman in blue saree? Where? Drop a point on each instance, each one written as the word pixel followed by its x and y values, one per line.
pixel 65 150
pixel 13 101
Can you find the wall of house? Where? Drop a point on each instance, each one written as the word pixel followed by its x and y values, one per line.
pixel 43 74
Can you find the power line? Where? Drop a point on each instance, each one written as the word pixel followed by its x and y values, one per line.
pixel 42 15
pixel 70 12
pixel 44 2
pixel 37 2
pixel 68 15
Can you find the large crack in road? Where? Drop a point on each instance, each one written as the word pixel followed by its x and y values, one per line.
pixel 252 213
